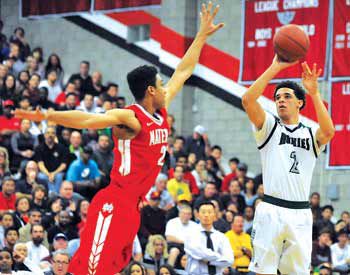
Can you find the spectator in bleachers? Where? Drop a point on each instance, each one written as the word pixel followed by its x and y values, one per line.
pixel 53 208
pixel 75 146
pixel 3 74
pixel 198 143
pixel 177 231
pixel 248 219
pixel 64 225
pixel 54 63
pixel 82 211
pixel 241 172
pixel 7 261
pixel 43 100
pixel 135 268
pixel 25 104
pixel 171 122
pixel 11 237
pixel 34 67
pixel 8 89
pixel 220 224
pixel 69 198
pixel 325 222
pixel 222 169
pixel 213 174
pixel 166 269
pixel 52 159
pixel 35 217
pixel 70 102
pixel 103 156
pixel 97 85
pixel 156 254
pixel 111 92
pixel 38 54
pixel 84 77
pixel 177 186
pixel 21 249
pixel 51 84
pixel 249 192
pixel 208 250
pixel 343 223
pixel 191 161
pixel 321 252
pixel 174 211
pixel 84 174
pixel 200 174
pixel 340 253
pixel 209 193
pixel 33 89
pixel 88 105
pixel 3 42
pixel 178 148
pixel 8 124
pixel 15 53
pixel 6 221
pixel 241 246
pixel 60 263
pixel 36 250
pixel 121 102
pixel 60 242
pixel 69 89
pixel 234 196
pixel 29 180
pixel 23 79
pixel 22 144
pixel 22 211
pixel 19 37
pixel 7 195
pixel 4 163
pixel 233 162
pixel 166 201
pixel 39 198
pixel 152 219
pixel 315 205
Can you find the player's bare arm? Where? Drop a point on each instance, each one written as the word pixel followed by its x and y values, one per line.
pixel 83 120
pixel 250 98
pixel 185 68
pixel 309 78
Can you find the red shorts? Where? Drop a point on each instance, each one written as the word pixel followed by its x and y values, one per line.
pixel 106 241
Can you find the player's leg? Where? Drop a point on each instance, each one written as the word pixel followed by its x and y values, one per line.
pixel 296 254
pixel 106 240
pixel 266 239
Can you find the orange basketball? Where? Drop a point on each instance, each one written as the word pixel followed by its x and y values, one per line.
pixel 291 43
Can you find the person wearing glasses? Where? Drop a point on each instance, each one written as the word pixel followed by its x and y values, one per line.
pixel 60 263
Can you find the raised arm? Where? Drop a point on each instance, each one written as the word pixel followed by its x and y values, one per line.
pixel 185 68
pixel 326 131
pixel 250 103
pixel 82 120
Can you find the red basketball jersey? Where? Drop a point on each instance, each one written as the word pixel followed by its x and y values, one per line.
pixel 138 161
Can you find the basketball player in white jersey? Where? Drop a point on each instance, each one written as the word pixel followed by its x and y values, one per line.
pixel 282 228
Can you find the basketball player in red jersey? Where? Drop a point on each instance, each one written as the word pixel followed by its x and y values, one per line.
pixel 140 133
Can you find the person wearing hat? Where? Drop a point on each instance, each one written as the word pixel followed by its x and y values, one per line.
pixel 340 253
pixel 84 173
pixel 198 143
pixel 152 219
pixel 60 242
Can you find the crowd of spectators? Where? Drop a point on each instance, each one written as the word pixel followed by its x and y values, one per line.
pixel 49 174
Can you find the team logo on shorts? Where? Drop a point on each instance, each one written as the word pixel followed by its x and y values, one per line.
pixel 103 223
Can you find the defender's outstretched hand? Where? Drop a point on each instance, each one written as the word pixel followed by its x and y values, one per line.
pixel 207 26
pixel 309 78
pixel 36 115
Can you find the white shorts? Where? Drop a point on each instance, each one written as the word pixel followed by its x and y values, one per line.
pixel 282 239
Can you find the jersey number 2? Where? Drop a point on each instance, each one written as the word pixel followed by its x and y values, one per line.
pixel 294 169
pixel 162 157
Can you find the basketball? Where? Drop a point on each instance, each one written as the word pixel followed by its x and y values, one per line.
pixel 291 43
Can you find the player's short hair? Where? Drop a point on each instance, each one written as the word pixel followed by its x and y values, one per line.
pixel 139 79
pixel 298 90
pixel 328 206
pixel 206 202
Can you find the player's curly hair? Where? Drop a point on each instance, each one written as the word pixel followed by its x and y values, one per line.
pixel 140 78
pixel 298 90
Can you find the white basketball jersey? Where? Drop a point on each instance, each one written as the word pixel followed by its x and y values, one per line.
pixel 288 156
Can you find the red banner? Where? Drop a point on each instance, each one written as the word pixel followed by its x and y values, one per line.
pixel 33 8
pixel 122 4
pixel 262 19
pixel 341 39
pixel 339 149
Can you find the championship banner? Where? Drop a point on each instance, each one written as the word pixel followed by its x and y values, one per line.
pixel 341 39
pixel 37 8
pixel 262 19
pixel 339 149
pixel 112 5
